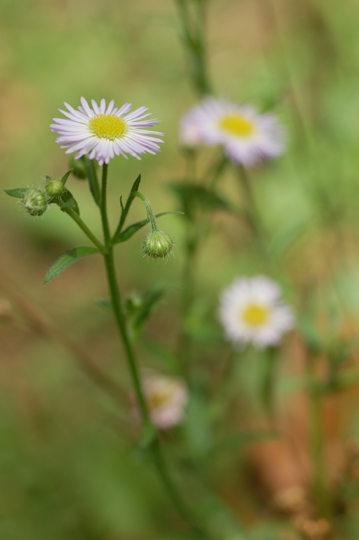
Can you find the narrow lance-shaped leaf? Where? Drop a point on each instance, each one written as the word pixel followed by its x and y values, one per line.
pixel 136 184
pixel 65 177
pixel 68 258
pixel 132 229
pixel 126 208
pixel 93 180
pixel 150 300
pixel 18 193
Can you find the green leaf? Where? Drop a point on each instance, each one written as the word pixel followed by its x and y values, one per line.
pixel 18 193
pixel 310 334
pixel 132 229
pixel 93 180
pixel 153 296
pixel 193 196
pixel 198 427
pixel 125 209
pixel 65 177
pixel 244 438
pixel 67 259
pixel 140 312
pixel 136 184
pixel 104 304
pixel 69 202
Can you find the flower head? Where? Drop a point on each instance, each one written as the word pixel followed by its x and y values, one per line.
pixel 36 201
pixel 251 311
pixel 166 398
pixel 247 136
pixel 158 245
pixel 105 131
pixel 54 187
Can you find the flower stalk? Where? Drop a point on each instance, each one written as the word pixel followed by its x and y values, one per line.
pixel 90 235
pixel 193 35
pixel 148 427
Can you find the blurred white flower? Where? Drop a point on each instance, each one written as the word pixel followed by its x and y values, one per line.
pixel 105 132
pixel 247 136
pixel 251 311
pixel 190 134
pixel 166 398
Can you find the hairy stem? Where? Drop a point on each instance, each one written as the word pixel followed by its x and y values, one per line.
pixel 154 446
pixel 85 229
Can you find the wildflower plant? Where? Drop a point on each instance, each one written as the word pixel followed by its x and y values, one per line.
pixel 254 315
pixel 101 133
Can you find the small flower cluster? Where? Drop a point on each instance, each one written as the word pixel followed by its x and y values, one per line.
pixel 246 135
pixel 37 200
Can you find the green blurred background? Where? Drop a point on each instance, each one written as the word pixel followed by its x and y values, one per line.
pixel 67 470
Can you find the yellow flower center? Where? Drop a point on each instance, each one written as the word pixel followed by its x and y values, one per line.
pixel 107 126
pixel 255 315
pixel 237 125
pixel 160 396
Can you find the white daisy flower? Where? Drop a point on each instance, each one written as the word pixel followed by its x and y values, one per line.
pixel 251 311
pixel 105 131
pixel 247 136
pixel 166 398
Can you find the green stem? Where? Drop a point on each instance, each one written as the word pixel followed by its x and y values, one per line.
pixel 253 214
pixel 191 158
pixel 216 170
pixel 154 445
pixel 150 213
pixel 188 294
pixel 194 40
pixel 104 218
pixel 85 229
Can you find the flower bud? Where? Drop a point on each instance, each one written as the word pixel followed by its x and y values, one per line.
pixel 35 201
pixel 166 398
pixel 78 167
pixel 54 187
pixel 158 245
pixel 133 301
